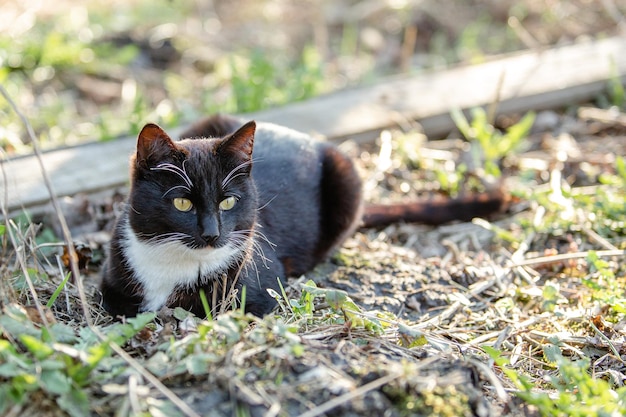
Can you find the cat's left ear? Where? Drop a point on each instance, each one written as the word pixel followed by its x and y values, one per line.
pixel 241 142
pixel 153 145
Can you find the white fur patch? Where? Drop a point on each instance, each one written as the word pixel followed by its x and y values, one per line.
pixel 161 267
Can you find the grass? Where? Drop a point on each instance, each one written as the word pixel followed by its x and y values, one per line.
pixel 55 362
pixel 573 391
pixel 492 144
pixel 258 82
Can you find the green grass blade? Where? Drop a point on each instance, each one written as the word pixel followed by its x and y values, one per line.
pixel 205 305
pixel 58 290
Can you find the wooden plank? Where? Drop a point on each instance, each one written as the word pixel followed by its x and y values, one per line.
pixel 526 81
pixel 531 80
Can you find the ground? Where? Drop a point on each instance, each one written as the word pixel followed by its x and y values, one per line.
pixel 521 313
pixel 425 301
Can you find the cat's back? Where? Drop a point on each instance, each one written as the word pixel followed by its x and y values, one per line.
pixel 285 160
pixel 309 194
pixel 287 171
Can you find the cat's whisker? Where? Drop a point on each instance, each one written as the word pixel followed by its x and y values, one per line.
pixel 259 251
pixel 241 239
pixel 225 184
pixel 254 232
pixel 240 243
pixel 165 238
pixel 181 172
pixel 256 270
pixel 247 260
pixel 184 187
pixel 166 234
pixel 268 203
pixel 262 236
pixel 232 174
pixel 243 236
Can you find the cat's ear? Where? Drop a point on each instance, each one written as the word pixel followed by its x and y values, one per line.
pixel 153 145
pixel 241 142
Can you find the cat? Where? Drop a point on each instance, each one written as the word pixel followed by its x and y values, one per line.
pixel 234 205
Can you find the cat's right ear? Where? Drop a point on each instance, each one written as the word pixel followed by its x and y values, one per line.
pixel 153 145
pixel 241 142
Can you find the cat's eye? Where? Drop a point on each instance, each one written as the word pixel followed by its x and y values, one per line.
pixel 228 203
pixel 183 204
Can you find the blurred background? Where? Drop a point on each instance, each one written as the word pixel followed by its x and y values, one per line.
pixel 84 71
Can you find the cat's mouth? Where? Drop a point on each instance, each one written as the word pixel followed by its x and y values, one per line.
pixel 203 246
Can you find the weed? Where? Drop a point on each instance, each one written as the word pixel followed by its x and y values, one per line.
pixel 54 362
pixel 493 145
pixel 58 290
pixel 205 304
pixel 341 303
pixel 259 81
pixel 615 88
pixel 479 39
pixel 576 393
pixel 604 284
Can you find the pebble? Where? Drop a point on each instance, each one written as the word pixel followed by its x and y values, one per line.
pixel 546 120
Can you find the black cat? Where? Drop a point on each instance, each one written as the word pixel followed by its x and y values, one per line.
pixel 238 206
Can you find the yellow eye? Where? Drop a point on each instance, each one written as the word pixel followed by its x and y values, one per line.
pixel 228 203
pixel 183 204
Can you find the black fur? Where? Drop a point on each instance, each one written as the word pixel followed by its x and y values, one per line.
pixel 302 196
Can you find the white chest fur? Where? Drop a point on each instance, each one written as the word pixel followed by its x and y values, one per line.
pixel 161 267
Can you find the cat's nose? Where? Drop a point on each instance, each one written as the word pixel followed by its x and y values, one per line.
pixel 210 238
pixel 210 230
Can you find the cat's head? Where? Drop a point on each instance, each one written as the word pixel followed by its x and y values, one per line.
pixel 197 192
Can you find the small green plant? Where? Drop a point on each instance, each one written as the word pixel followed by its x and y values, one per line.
pixel 259 81
pixel 604 284
pixel 481 38
pixel 619 178
pixel 451 182
pixel 205 304
pixel 615 88
pixel 493 144
pixel 550 295
pixel 341 303
pixel 54 361
pixel 575 392
pixel 58 290
pixel 342 308
pixel 199 352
